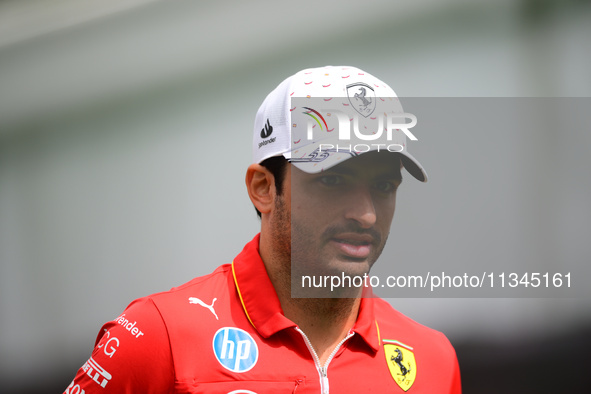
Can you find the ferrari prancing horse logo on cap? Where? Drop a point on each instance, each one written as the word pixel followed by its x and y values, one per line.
pixel 362 97
pixel 401 363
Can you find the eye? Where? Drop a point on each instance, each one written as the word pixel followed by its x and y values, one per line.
pixel 386 186
pixel 331 180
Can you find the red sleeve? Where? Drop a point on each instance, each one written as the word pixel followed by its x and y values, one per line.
pixel 456 384
pixel 456 381
pixel 131 355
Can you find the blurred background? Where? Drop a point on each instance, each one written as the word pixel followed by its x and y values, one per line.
pixel 125 132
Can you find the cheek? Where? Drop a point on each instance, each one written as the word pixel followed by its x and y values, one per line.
pixel 315 214
pixel 305 206
pixel 385 212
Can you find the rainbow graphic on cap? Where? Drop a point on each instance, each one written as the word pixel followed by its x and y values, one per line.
pixel 315 118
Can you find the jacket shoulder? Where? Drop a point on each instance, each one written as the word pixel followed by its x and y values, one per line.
pixel 433 353
pixel 397 326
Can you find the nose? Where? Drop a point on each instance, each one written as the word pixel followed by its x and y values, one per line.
pixel 361 207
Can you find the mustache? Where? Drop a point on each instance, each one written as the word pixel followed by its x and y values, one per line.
pixel 336 230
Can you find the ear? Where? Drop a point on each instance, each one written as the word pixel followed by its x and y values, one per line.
pixel 260 184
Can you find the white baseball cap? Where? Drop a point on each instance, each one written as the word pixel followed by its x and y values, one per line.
pixel 305 118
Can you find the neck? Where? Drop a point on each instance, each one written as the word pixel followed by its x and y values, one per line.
pixel 325 321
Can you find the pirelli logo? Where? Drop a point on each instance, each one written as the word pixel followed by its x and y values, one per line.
pixel 96 372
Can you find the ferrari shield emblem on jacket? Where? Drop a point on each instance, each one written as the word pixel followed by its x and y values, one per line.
pixel 401 363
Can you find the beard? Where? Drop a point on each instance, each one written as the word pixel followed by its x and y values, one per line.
pixel 281 225
pixel 315 303
pixel 307 253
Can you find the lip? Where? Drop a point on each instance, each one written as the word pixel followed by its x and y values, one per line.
pixel 353 245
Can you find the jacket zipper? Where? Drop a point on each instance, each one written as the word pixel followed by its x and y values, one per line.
pixel 322 370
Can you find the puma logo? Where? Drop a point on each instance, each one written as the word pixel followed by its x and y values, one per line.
pixel 194 300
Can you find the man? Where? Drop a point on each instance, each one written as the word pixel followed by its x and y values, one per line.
pixel 326 199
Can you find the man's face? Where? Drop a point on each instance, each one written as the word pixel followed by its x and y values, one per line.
pixel 340 218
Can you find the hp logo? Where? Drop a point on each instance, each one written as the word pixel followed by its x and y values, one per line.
pixel 235 349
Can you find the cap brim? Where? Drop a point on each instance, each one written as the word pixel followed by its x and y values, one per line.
pixel 413 166
pixel 309 159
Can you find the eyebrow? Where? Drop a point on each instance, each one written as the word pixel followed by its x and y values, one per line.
pixel 340 170
pixel 392 174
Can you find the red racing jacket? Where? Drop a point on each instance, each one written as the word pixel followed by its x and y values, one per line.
pixel 226 333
